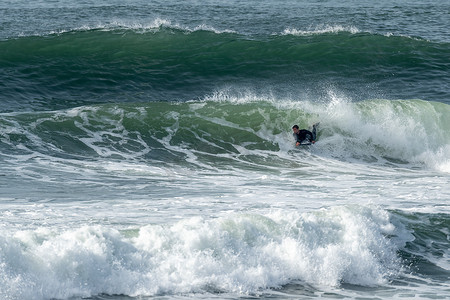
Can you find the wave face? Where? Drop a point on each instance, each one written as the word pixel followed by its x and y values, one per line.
pixel 222 132
pixel 81 67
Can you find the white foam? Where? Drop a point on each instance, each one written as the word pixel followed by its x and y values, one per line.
pixel 238 254
pixel 335 29
pixel 142 27
pixel 438 159
pixel 227 95
pixel 409 131
pixel 321 30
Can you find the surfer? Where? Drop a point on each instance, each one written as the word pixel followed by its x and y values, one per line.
pixel 303 136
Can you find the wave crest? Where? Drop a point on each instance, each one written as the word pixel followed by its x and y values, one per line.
pixel 323 29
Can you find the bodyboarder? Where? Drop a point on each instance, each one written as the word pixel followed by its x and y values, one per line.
pixel 304 136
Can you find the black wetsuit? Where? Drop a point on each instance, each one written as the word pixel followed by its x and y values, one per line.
pixel 304 136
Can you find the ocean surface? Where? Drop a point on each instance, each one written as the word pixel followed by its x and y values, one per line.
pixel 146 149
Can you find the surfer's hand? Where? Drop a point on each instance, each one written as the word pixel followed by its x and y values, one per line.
pixel 297 144
pixel 313 142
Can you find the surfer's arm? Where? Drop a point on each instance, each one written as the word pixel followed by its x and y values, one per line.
pixel 297 141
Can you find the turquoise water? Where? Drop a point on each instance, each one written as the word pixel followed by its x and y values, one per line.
pixel 146 150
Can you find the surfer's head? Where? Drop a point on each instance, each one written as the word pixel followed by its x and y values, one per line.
pixel 295 128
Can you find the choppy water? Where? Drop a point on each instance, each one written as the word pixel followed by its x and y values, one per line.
pixel 146 150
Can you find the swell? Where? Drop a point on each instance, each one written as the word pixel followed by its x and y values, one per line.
pixel 93 66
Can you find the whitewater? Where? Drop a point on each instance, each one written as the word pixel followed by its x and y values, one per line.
pixel 146 150
pixel 210 198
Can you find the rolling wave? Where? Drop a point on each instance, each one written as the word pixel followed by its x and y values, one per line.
pixel 163 63
pixel 229 131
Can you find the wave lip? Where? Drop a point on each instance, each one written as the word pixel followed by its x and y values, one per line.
pixel 154 26
pixel 321 30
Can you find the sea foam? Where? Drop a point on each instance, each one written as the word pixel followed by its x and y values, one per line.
pixel 322 30
pixel 239 254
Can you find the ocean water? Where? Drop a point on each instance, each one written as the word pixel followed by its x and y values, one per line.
pixel 146 150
